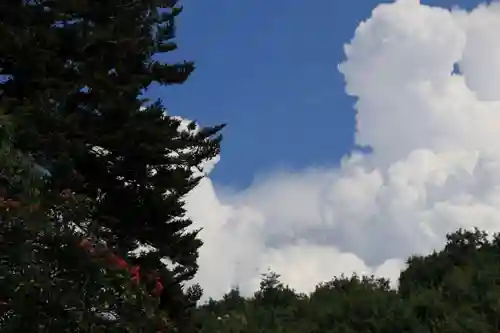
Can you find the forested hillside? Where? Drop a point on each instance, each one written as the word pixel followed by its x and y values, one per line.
pixel 454 290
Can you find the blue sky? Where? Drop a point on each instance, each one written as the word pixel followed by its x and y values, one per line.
pixel 269 70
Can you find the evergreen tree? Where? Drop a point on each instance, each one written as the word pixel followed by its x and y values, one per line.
pixel 74 72
pixel 48 283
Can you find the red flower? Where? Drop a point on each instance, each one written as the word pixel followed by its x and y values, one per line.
pixel 85 244
pixel 158 288
pixel 134 270
pixel 135 279
pixel 135 274
pixel 117 261
pixel 121 263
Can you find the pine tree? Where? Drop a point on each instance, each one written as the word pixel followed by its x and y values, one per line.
pixel 48 282
pixel 74 74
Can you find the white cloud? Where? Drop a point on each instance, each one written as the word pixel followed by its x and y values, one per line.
pixel 435 165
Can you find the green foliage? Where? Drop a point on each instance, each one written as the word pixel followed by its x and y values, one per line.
pixel 455 290
pixel 47 282
pixel 74 73
pixel 73 121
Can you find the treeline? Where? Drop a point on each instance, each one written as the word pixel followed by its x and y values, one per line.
pixel 452 291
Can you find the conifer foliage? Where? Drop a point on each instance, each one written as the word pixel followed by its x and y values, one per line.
pixel 73 73
pixel 47 282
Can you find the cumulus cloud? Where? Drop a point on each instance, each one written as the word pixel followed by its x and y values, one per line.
pixel 435 165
